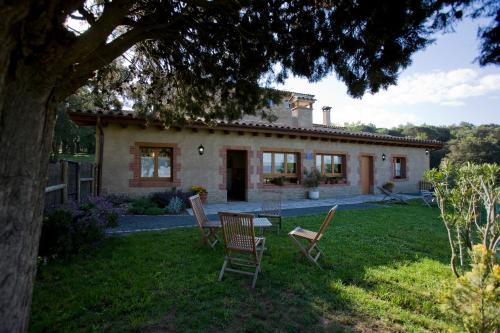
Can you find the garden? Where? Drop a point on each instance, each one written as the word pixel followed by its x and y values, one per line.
pixel 392 268
pixel 384 270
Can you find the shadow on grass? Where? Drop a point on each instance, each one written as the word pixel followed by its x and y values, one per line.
pixel 381 266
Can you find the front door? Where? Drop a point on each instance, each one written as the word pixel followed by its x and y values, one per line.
pixel 366 174
pixel 236 173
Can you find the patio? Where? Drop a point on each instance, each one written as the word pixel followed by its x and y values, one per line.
pixel 139 223
pixel 249 207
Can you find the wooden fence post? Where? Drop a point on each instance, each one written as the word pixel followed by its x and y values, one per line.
pixel 64 170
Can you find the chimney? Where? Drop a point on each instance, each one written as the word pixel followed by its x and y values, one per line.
pixel 326 116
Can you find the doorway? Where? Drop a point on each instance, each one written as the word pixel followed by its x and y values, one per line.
pixel 236 173
pixel 366 174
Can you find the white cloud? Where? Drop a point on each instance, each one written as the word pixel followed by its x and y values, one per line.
pixel 446 88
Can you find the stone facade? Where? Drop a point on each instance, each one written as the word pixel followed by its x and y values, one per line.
pixel 121 162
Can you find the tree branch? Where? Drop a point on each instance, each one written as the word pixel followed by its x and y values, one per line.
pixel 88 16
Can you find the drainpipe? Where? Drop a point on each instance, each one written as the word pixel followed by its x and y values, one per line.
pixel 101 154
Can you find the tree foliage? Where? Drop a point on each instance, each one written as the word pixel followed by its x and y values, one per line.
pixel 474 299
pixel 467 196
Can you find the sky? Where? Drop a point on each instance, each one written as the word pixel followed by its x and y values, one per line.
pixel 442 86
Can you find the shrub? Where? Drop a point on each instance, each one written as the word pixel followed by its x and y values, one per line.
pixel 118 199
pixel 175 206
pixel 312 178
pixel 474 298
pixel 56 235
pixel 155 210
pixel 141 205
pixel 162 199
pixel 74 227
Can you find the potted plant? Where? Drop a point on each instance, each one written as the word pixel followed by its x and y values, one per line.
pixel 389 186
pixel 311 181
pixel 201 191
pixel 279 181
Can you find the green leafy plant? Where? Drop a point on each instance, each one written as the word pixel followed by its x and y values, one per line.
pixel 279 181
pixel 153 211
pixel 474 298
pixel 143 206
pixel 462 192
pixel 312 178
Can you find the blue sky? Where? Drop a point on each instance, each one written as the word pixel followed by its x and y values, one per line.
pixel 442 86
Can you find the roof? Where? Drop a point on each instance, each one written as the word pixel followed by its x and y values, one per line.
pixel 90 117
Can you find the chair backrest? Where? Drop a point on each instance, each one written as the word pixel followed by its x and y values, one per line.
pixel 198 211
pixel 271 202
pixel 325 223
pixel 238 231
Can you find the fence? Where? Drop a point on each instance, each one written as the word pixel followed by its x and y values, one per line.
pixel 68 180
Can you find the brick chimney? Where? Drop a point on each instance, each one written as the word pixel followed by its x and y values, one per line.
pixel 326 116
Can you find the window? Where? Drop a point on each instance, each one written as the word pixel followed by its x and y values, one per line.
pixel 156 162
pixel 331 165
pixel 279 167
pixel 399 164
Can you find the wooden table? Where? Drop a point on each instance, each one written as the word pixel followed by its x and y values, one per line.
pixel 261 223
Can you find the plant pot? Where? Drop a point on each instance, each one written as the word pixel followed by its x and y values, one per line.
pixel 313 194
pixel 203 197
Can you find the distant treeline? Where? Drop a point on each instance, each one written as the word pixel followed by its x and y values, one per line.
pixel 463 143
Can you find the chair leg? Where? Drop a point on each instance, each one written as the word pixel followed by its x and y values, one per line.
pixel 255 275
pixel 305 252
pixel 221 274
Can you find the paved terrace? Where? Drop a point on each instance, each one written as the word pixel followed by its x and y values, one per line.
pixel 137 223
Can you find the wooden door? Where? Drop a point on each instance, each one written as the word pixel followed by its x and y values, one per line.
pixel 366 174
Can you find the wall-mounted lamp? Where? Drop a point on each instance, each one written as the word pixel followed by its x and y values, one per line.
pixel 383 157
pixel 201 149
pixel 427 152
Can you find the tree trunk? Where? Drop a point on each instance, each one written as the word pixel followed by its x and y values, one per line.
pixel 27 119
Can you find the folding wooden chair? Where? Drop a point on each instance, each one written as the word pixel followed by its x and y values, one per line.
pixel 312 238
pixel 390 196
pixel 207 228
pixel 243 249
pixel 271 207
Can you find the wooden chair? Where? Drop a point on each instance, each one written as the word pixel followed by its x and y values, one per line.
pixel 207 228
pixel 271 207
pixel 427 197
pixel 242 248
pixel 394 197
pixel 312 238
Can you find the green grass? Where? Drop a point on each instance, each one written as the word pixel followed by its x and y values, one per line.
pixel 77 157
pixel 384 269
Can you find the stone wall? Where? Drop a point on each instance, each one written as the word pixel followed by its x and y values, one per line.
pixel 119 167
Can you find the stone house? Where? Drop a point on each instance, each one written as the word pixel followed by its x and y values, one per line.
pixel 236 160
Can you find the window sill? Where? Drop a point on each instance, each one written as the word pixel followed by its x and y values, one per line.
pixel 284 185
pixel 400 179
pixel 334 185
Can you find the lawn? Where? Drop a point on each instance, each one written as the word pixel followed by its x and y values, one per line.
pixel 385 267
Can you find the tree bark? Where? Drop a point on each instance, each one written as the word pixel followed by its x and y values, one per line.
pixel 27 119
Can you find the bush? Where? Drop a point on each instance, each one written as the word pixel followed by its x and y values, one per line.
pixel 312 178
pixel 153 211
pixel 118 199
pixel 175 206
pixel 141 205
pixel 73 227
pixel 162 199
pixel 474 298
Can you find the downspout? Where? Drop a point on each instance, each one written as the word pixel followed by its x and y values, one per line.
pixel 101 155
